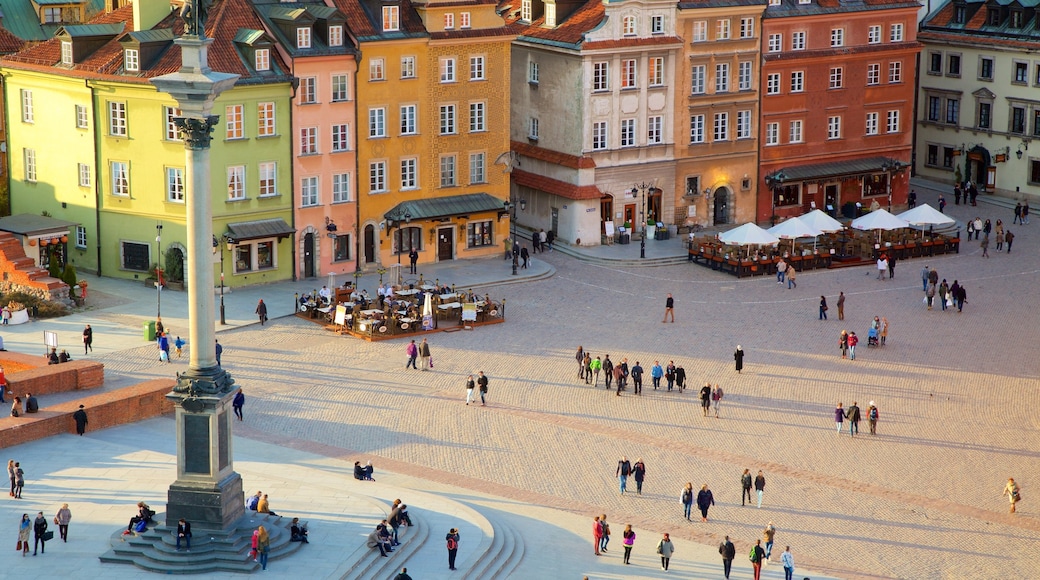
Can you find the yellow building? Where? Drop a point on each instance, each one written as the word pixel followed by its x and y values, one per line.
pixel 433 115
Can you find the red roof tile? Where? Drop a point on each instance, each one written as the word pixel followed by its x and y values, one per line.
pixel 570 31
pixel 632 42
pixel 9 43
pixel 555 186
pixel 554 157
pixel 976 21
pixel 926 35
pixel 506 30
pixel 942 17
pixel 362 24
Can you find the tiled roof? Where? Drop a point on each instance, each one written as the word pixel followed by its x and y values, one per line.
pixel 9 43
pixel 364 17
pixel 632 42
pixel 460 3
pixel 961 36
pixel 943 16
pixel 506 30
pixel 792 9
pixel 550 156
pixel 839 52
pixel 22 20
pixel 274 14
pixel 226 17
pixel 689 4
pixel 555 186
pixel 569 32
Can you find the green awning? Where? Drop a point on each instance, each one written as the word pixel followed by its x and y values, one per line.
pixel 244 231
pixel 850 168
pixel 439 207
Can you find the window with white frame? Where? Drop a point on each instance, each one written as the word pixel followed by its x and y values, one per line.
pixel 479 234
pixel 775 42
pixel 447 70
pixel 599 135
pixel 476 168
pixel 721 132
pixel 376 122
pixel 872 124
pixel 340 187
pixel 533 127
pixel 798 40
pixel 120 178
pixel 744 75
pixel 797 81
pixel 895 72
pixel 722 77
pixel 837 37
pixel 655 130
pixel 532 72
pixel 772 136
pixel 175 184
pixel 873 73
pixel 600 76
pixel 655 76
pixel 340 88
pixel 550 15
pixel 628 132
pixel 628 74
pixel 628 26
pixel 747 27
pixel 874 34
pixel 407 67
pixel 308 141
pixel 774 2
pixel 700 31
pixel 447 171
pixel 341 248
pixel 794 131
pixel 697 83
pixel 308 90
pixel 303 37
pixel 236 182
pixel 265 119
pixel 254 256
pixel 476 68
pixel 66 53
pixel 377 177
pixel 893 122
pixel 696 128
pixel 449 21
pixel 464 20
pixel 409 173
pixel 84 174
pixel 29 159
pixel 336 35
pixel 376 70
pixel 309 191
pixel 476 118
pixel 268 172
pixel 131 58
pixel 447 119
pixel 340 137
pixel 262 59
pixel 743 124
pixel 773 84
pixel 391 18
pixel 81 237
pixel 722 29
pixel 82 117
pixel 117 119
pixel 233 122
pixel 408 119
pixel 836 77
pixel 834 127
pixel 525 10
pixel 895 33
pixel 172 133
pixel 657 24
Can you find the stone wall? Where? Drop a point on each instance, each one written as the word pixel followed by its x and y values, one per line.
pixel 48 379
pixel 21 274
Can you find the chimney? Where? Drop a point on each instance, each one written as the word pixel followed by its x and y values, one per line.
pixel 148 13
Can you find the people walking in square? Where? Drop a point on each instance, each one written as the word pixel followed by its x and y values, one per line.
pixel 680 378
pixel 62 519
pixel 628 540
pixel 843 343
pixel 24 528
pixel 716 398
pixel 884 330
pixel 624 468
pixel 263 546
pixel 595 366
pixel 841 306
pixel 891 266
pixel 760 486
pixel 823 308
pixel 882 267
pixel 452 543
pixel 756 556
pixel 665 549
pixel 705 399
pixel 80 417
pixel 219 350
pixel 686 498
pixel 787 559
pixel 669 374
pixel 767 535
pixel 1012 493
pixel 792 273
pixel 705 500
pixel 872 417
pixel 656 372
pixel 605 538
pixel 1009 237
pixel 985 247
pixel 781 270
pixel 424 354
pixel 738 358
pixel 412 350
pixel 637 379
pixel 608 370
pixel 588 368
pixel 853 341
pixel 930 295
pixel 19 479
pixel 261 311
pixel 669 308
pixel 839 417
pixel 470 385
pixel 597 534
pixel 580 357
pixel 853 415
pixel 1018 213
pixel 728 551
pixel 525 256
pixel 237 403
pixel 745 486
pixel 639 473
pixel 88 339
pixel 39 533
pixel 924 279
pixel 482 384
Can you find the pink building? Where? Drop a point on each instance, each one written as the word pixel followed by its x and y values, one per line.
pixel 315 39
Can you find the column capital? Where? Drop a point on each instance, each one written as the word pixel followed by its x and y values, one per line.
pixel 195 131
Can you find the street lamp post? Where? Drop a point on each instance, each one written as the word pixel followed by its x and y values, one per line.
pixel 396 220
pixel 158 271
pixel 512 224
pixel 889 166
pixel 644 188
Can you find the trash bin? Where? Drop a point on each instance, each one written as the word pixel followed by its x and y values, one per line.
pixel 149 331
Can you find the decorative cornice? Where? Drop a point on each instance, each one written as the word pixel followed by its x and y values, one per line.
pixel 196 132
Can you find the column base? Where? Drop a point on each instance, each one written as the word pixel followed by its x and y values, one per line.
pixel 206 505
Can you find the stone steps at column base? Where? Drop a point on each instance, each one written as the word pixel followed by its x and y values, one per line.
pixel 367 562
pixel 503 555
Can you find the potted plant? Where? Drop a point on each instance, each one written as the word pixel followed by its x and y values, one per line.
pixel 174 271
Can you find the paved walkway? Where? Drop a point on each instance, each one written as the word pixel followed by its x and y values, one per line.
pixel 908 503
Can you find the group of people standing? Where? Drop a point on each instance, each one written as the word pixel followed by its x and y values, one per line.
pixel 618 374
pixel 949 296
pixel 853 416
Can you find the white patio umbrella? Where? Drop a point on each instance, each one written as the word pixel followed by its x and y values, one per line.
pixel 821 221
pixel 793 228
pixel 427 311
pixel 925 215
pixel 748 234
pixel 879 219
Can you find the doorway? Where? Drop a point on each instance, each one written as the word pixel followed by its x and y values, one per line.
pixel 445 244
pixel 630 215
pixel 830 198
pixel 720 210
pixel 370 244
pixel 308 255
pixel 606 212
pixel 555 223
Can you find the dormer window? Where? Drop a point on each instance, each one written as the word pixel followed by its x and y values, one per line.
pixel 263 59
pixel 449 21
pixel 525 10
pixel 993 16
pixel 303 37
pixel 66 53
pixel 132 60
pixel 803 2
pixel 464 20
pixel 336 35
pixel 550 15
pixel 391 18
pixel 628 26
pixel 1016 19
pixel 959 14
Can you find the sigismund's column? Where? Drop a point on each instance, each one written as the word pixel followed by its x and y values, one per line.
pixel 208 491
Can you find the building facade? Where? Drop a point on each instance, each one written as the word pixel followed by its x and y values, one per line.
pixel 977 110
pixel 837 103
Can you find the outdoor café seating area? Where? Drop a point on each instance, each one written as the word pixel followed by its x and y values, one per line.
pixel 810 242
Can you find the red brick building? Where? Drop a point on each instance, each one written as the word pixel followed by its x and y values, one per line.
pixel 837 104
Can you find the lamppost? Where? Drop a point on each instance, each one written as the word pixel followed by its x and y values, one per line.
pixel 395 220
pixel 158 271
pixel 774 181
pixel 229 242
pixel 889 166
pixel 644 188
pixel 512 224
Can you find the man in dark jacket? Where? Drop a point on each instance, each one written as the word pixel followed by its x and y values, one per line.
pixel 608 368
pixel 756 556
pixel 413 259
pixel 728 551
pixel 39 529
pixel 623 469
pixel 637 379
pixel 183 533
pixel 80 417
pixel 853 415
pixel 639 472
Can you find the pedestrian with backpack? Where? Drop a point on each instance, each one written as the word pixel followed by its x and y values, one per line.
pixel 756 556
pixel 452 540
pixel 872 417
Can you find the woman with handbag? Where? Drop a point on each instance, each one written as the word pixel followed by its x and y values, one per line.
pixel 23 534
pixel 1011 490
pixel 665 549
pixel 62 519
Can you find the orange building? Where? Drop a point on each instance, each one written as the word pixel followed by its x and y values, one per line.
pixel 837 107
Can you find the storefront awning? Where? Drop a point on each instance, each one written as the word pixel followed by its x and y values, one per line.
pixel 834 169
pixel 244 231
pixel 35 225
pixel 449 206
